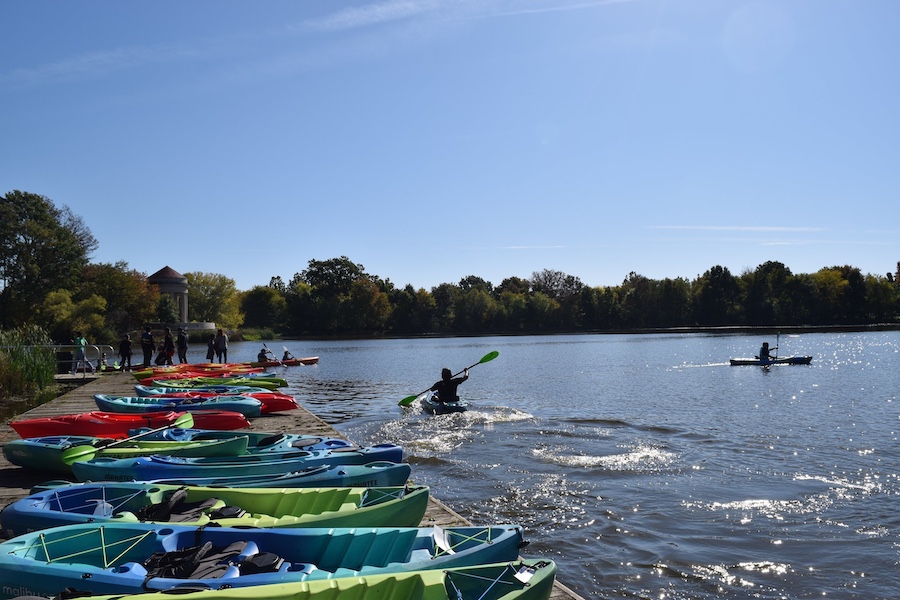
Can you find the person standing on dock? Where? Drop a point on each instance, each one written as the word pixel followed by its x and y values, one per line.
pixel 181 342
pixel 221 347
pixel 148 345
pixel 125 352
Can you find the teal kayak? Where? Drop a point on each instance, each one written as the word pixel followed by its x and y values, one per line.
pixel 247 406
pixel 375 474
pixel 135 502
pixel 432 404
pixel 57 453
pixel 520 580
pixel 123 558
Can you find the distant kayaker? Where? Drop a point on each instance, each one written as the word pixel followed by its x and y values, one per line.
pixel 446 387
pixel 764 351
pixel 263 355
pixel 287 356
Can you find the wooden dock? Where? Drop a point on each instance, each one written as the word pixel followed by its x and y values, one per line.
pixel 15 482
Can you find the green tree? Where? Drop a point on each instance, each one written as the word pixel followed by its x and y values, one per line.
pixel 63 316
pixel 263 307
pixel 166 309
pixel 366 308
pixel 214 298
pixel 717 297
pixel 412 311
pixel 42 249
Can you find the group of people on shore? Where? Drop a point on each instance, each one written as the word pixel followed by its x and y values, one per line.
pixel 217 347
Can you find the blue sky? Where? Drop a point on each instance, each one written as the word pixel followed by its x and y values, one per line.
pixel 433 139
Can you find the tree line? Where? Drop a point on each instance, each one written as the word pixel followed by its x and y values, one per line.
pixel 47 280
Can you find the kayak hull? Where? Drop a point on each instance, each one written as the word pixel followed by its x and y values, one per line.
pixel 116 425
pixel 788 360
pixel 133 502
pixel 249 407
pixel 520 580
pixel 257 442
pixel 374 474
pixel 432 405
pixel 48 453
pixel 123 558
pixel 166 467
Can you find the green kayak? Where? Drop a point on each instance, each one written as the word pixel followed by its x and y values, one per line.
pixel 57 453
pixel 123 502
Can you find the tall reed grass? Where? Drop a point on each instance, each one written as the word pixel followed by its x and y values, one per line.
pixel 25 369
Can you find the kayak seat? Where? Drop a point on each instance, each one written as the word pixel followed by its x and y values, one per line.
pixel 100 508
pixel 196 562
pixel 175 509
pixel 270 440
pixel 263 562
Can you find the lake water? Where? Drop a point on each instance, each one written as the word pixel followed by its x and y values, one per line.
pixel 646 465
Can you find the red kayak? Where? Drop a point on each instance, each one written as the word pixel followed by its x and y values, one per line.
pixel 117 425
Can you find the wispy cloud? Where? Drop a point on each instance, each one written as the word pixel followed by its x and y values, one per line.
pixel 744 228
pixel 109 63
pixel 373 14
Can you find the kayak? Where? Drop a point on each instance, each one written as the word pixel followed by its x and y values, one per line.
pixel 95 423
pixel 123 558
pixel 115 425
pixel 202 368
pixel 221 390
pixel 788 360
pixel 520 580
pixel 431 404
pixel 270 383
pixel 257 442
pixel 374 474
pixel 57 453
pixel 291 362
pixel 167 467
pixel 249 407
pixel 133 502
pixel 271 401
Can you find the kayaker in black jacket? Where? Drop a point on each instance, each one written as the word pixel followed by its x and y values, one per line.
pixel 446 387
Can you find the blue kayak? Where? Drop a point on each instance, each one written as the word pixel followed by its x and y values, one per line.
pixel 131 558
pixel 167 467
pixel 257 442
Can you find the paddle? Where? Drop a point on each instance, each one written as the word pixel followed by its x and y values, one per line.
pixel 273 354
pixel 486 358
pixel 777 335
pixel 75 453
